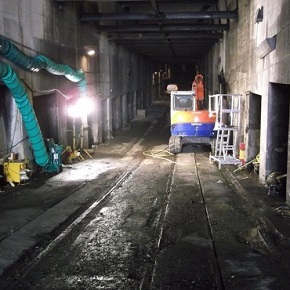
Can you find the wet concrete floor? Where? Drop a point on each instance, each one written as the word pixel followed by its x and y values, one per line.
pixel 168 224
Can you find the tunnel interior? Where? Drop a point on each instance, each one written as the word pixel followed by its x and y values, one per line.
pixel 183 74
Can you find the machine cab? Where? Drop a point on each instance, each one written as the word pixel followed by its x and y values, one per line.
pixel 183 101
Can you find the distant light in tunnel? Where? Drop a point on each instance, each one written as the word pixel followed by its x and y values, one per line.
pixel 91 52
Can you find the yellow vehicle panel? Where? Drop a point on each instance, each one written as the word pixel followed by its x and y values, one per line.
pixel 203 116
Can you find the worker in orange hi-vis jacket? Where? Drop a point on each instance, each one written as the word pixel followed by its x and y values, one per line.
pixel 197 87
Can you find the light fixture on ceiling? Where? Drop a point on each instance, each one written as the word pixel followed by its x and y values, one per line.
pixel 91 52
pixel 268 45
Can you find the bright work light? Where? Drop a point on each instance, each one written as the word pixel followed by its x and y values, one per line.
pixel 91 52
pixel 81 108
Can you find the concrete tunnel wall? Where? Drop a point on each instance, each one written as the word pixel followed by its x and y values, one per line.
pixel 115 76
pixel 252 76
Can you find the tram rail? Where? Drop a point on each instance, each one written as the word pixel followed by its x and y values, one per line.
pixel 179 225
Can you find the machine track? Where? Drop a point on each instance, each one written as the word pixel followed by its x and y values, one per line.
pixel 175 145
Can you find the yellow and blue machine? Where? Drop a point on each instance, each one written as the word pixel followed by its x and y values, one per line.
pixel 189 123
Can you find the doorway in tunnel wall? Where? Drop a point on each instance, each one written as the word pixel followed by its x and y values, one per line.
pixel 46 111
pixel 254 126
pixel 278 129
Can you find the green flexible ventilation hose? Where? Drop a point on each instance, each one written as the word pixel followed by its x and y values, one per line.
pixel 19 93
pixel 34 64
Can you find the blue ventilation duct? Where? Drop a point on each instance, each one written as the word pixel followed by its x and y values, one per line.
pixel 34 64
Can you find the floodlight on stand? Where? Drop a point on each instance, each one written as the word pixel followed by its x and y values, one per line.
pixel 84 106
pixel 81 109
pixel 72 112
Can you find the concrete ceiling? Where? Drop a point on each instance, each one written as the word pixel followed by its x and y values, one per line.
pixel 163 30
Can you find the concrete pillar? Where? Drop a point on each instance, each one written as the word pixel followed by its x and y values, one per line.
pixel 125 109
pixel 107 119
pixel 96 123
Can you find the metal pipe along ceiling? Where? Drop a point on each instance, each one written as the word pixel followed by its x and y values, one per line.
pixel 161 16
pixel 167 28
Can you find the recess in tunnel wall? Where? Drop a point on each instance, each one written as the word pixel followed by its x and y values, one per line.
pixel 278 125
pixel 253 125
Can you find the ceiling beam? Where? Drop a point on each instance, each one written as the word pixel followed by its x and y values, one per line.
pixel 158 40
pixel 167 28
pixel 142 2
pixel 98 1
pixel 157 43
pixel 161 16
pixel 136 36
pixel 167 6
pixel 162 30
pixel 173 2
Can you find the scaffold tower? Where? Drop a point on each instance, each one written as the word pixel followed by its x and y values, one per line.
pixel 227 110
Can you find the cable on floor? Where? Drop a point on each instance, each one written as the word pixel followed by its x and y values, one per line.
pixel 164 155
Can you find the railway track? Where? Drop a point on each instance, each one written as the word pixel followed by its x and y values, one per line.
pixel 102 196
pixel 150 216
pixel 38 252
pixel 159 225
